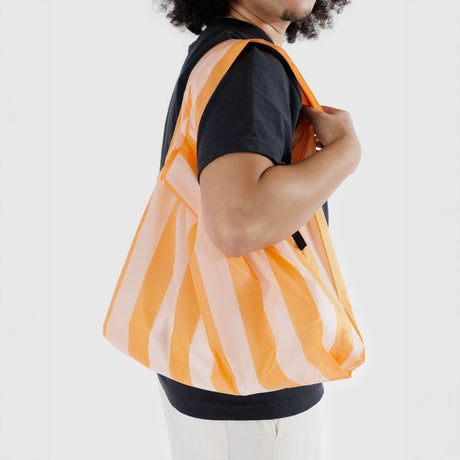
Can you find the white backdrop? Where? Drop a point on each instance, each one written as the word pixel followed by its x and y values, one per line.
pixel 84 90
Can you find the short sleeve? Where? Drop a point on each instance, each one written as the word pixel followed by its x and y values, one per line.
pixel 254 108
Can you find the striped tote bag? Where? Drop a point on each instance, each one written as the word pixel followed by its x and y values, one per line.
pixel 274 318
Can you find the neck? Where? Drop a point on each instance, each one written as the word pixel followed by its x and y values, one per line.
pixel 275 29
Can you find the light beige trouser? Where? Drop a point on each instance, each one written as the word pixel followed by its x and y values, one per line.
pixel 297 437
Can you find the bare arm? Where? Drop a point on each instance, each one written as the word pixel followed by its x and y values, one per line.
pixel 249 203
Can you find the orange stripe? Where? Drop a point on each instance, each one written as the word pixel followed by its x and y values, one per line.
pixel 306 145
pixel 186 317
pixel 152 291
pixel 257 327
pixel 304 314
pixel 221 376
pixel 343 342
pixel 188 151
pixel 125 266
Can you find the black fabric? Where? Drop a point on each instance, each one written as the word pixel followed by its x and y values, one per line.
pixel 254 108
pixel 212 405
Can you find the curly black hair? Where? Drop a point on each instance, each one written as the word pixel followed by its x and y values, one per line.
pixel 194 14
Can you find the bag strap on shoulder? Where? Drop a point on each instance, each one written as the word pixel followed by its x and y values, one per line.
pixel 209 71
pixel 224 63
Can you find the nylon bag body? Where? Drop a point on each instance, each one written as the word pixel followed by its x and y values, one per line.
pixel 273 318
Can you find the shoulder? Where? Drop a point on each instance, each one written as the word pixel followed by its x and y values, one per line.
pixel 263 65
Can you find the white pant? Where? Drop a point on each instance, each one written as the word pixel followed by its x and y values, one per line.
pixel 297 437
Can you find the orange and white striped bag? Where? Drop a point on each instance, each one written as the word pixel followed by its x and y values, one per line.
pixel 274 318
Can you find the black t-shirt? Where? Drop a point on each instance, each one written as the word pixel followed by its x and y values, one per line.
pixel 254 108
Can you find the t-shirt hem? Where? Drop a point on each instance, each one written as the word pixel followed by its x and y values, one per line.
pixel 246 410
pixel 240 144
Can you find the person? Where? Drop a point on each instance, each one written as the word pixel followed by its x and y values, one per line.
pixel 244 141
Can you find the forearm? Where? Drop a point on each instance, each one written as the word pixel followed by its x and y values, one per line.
pixel 287 196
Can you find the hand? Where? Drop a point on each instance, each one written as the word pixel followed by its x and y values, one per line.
pixel 330 125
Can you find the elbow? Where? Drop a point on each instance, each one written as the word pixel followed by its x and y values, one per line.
pixel 232 237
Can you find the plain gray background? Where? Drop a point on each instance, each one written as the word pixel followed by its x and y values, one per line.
pixel 84 90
